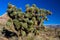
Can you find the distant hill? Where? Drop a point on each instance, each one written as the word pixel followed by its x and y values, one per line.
pixel 4 18
pixel 53 26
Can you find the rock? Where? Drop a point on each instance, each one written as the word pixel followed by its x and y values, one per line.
pixel 4 18
pixel 3 38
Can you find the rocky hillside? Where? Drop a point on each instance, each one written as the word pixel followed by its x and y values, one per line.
pixel 4 18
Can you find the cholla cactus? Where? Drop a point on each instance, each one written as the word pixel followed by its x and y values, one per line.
pixel 29 21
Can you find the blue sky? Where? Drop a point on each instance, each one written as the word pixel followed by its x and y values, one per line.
pixel 52 5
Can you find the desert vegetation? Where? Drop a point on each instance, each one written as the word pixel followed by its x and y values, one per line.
pixel 28 25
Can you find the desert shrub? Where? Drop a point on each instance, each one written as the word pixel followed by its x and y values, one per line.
pixel 26 22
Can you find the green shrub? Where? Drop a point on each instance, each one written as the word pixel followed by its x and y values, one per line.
pixel 26 22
